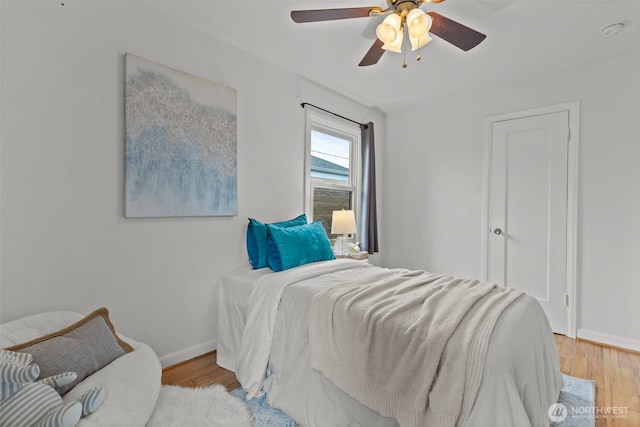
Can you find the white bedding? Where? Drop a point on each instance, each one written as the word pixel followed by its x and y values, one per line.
pixel 233 295
pixel 521 374
pixel 253 358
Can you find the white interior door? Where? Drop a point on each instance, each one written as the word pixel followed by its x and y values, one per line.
pixel 527 241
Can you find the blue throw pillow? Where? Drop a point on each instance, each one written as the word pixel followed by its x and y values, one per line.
pixel 294 246
pixel 257 239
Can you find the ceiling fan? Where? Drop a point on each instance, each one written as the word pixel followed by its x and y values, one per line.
pixel 390 33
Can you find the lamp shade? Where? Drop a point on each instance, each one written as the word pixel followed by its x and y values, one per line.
pixel 343 222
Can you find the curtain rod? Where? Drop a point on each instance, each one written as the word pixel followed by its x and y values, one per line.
pixel 303 104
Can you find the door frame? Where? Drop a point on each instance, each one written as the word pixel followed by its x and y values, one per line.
pixel 573 108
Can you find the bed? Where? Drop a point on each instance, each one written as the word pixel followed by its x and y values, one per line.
pixel 263 336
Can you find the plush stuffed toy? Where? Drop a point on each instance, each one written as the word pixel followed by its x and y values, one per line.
pixel 25 402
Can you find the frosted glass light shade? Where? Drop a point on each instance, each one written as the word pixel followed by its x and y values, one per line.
pixel 343 222
pixel 418 22
pixel 418 42
pixel 396 45
pixel 389 29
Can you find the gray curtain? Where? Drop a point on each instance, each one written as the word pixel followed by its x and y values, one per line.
pixel 369 216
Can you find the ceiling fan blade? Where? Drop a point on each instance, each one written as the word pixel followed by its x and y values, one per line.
pixel 373 55
pixel 300 16
pixel 455 33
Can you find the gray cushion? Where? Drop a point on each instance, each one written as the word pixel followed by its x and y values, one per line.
pixel 84 347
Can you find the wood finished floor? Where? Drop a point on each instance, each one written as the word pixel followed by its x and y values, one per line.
pixel 616 373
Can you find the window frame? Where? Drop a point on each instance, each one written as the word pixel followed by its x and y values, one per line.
pixel 341 128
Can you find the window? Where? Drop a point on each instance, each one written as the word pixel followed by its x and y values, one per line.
pixel 332 172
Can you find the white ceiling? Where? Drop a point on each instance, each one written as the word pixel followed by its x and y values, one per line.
pixel 524 37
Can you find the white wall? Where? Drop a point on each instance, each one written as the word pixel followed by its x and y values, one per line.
pixel 65 242
pixel 433 185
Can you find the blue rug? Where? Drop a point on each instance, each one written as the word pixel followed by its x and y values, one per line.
pixel 262 414
pixel 576 398
pixel 576 404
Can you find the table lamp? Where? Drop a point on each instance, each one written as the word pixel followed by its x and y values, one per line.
pixel 343 222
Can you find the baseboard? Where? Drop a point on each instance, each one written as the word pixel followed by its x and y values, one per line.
pixel 187 353
pixel 612 340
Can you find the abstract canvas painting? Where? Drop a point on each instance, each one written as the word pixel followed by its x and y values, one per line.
pixel 180 143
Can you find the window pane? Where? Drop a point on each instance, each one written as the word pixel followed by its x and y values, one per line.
pixel 326 201
pixel 329 157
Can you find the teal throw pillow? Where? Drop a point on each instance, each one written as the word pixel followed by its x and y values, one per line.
pixel 257 239
pixel 298 245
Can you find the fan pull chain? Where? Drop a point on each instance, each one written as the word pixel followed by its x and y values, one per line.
pixel 404 51
pixel 418 57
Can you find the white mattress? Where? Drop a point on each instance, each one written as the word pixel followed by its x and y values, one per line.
pixel 521 376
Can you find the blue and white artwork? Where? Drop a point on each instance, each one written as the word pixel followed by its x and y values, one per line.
pixel 181 135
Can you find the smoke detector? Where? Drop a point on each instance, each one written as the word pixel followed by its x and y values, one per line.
pixel 612 30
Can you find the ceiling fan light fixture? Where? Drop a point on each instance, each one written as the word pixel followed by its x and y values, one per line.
pixel 389 30
pixel 396 45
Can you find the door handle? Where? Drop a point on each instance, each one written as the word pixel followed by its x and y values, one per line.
pixel 497 231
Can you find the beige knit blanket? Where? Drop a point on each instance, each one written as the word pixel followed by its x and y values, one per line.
pixel 408 344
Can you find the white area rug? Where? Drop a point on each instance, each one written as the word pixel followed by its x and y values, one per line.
pixel 199 407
